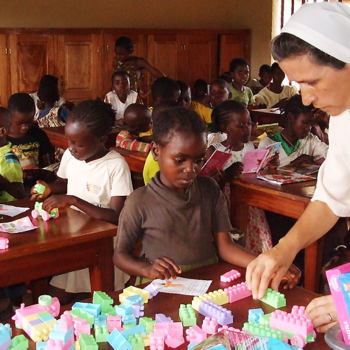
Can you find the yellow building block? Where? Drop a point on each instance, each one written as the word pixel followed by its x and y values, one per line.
pixel 144 293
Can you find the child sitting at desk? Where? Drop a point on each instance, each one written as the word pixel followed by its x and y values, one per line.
pixel 200 92
pixel 179 214
pixel 185 98
pixel 239 69
pixel 50 115
pixel 30 144
pixel 137 119
pixel 275 93
pixel 165 89
pixel 121 96
pixel 265 76
pixel 90 178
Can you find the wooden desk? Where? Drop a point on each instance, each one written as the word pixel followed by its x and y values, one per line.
pixel 58 138
pixel 169 304
pixel 265 116
pixel 289 200
pixel 71 242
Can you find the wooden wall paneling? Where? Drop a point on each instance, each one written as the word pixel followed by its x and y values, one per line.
pixel 31 57
pixel 234 45
pixel 4 71
pixel 79 66
pixel 109 38
pixel 200 60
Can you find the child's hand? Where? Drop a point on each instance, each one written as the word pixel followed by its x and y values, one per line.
pixel 303 159
pixel 234 170
pixel 57 201
pixel 291 278
pixel 163 268
pixel 37 196
pixel 274 161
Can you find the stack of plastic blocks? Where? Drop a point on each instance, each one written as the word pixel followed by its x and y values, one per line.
pixel 114 322
pixel 92 309
pixel 148 324
pixel 274 299
pixel 5 336
pixel 210 325
pixel 208 308
pixel 238 292
pixel 80 313
pixel 255 314
pixel 104 300
pixel 80 326
pixel 62 335
pixel 152 289
pixel 117 341
pixel 230 276
pixel 87 342
pixel 101 333
pixel 218 297
pixel 195 334
pixel 136 303
pixel 134 291
pixel 187 315
pixel 262 330
pixel 172 333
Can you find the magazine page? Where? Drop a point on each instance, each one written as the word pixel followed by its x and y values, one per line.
pixel 284 178
pixel 252 160
pixel 216 162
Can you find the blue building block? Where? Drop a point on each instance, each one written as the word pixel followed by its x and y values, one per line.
pixel 56 334
pixel 41 345
pixel 127 319
pixel 100 320
pixel 5 336
pixel 117 341
pixel 139 329
pixel 92 309
pixel 192 345
pixel 218 347
pixel 132 299
pixel 123 310
pixel 254 315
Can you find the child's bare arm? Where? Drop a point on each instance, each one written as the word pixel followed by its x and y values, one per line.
pixel 163 267
pixel 57 187
pixel 106 214
pixel 143 64
pixel 15 189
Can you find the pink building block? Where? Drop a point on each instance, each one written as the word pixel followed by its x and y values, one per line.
pixel 66 322
pixel 173 333
pixel 208 308
pixel 156 341
pixel 58 345
pixel 195 334
pixel 238 292
pixel 54 307
pixel 227 328
pixel 230 276
pixel 80 326
pixel 114 322
pixel 210 325
pixel 4 243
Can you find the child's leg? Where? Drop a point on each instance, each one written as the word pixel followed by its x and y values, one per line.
pixel 65 297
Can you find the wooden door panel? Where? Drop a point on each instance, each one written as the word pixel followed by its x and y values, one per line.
pixel 79 66
pixel 4 71
pixel 201 58
pixel 232 46
pixel 109 38
pixel 32 56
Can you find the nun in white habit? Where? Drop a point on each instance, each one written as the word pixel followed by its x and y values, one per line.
pixel 314 50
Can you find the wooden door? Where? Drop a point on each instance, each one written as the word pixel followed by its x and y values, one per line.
pixel 232 46
pixel 79 66
pixel 109 38
pixel 200 59
pixel 4 71
pixel 31 57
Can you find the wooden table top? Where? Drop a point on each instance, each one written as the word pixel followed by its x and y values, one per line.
pixel 265 116
pixel 168 304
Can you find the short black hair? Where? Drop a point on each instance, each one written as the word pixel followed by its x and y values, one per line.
pixel 264 68
pixel 183 85
pixel 21 102
pixel 288 45
pixel 200 83
pixel 119 72
pixel 226 77
pixel 164 105
pixel 47 79
pixel 125 42
pixel 222 113
pixel 295 107
pixel 98 117
pixel 164 87
pixel 176 120
pixel 48 92
pixel 5 115
pixel 275 66
pixel 237 62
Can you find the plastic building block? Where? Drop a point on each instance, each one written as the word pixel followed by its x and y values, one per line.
pixel 219 347
pixel 156 341
pixel 118 342
pixel 5 336
pixel 129 325
pixel 152 289
pixel 147 323
pixel 139 329
pixel 109 312
pixel 80 326
pixel 123 310
pixel 52 305
pixel 92 309
pixel 58 345
pixel 76 345
pixel 187 315
pixel 20 342
pixel 208 308
pixel 238 292
pixel 230 276
pixel 145 338
pixel 195 334
pixel 128 319
pixel 138 310
pixel 161 318
pixel 87 342
pixel 102 299
pixel 114 322
pixel 101 333
pixel 218 297
pixel 136 341
pixel 210 325
pixel 84 315
pixel 132 299
pixel 297 327
pixel 227 328
pixel 100 320
pixel 274 299
pixel 132 291
pixel 41 345
pixel 4 243
pixel 39 188
pixel 39 211
pixel 262 330
pixel 191 345
pixel 265 319
pixel 254 315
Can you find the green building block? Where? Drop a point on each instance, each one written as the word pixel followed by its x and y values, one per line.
pixel 39 188
pixel 265 319
pixel 87 342
pixel 84 315
pixel 101 333
pixel 19 342
pixel 136 341
pixel 147 323
pixel 274 299
pixel 104 300
pixel 187 315
pixel 262 330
